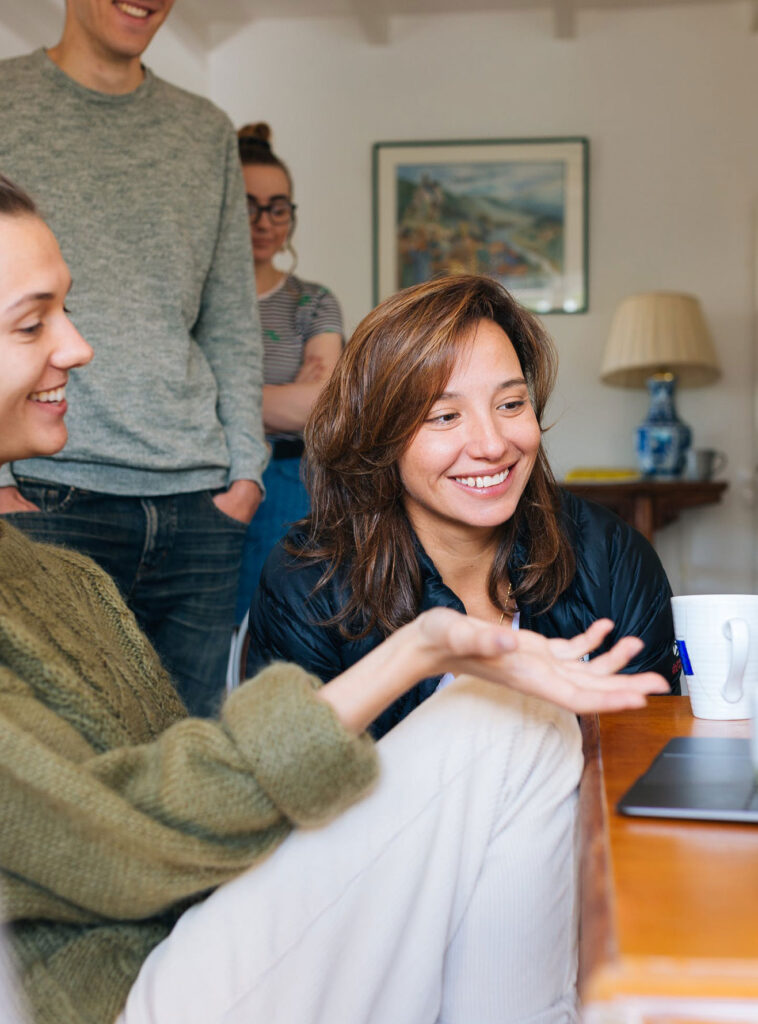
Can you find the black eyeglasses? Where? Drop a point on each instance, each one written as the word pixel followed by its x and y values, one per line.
pixel 280 210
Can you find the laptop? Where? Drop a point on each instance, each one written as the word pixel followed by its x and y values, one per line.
pixel 708 778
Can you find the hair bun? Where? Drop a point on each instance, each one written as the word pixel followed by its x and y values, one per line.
pixel 255 135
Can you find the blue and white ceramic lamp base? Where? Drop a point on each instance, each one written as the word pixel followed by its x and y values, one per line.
pixel 662 438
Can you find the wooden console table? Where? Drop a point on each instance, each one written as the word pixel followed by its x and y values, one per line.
pixel 669 909
pixel 647 505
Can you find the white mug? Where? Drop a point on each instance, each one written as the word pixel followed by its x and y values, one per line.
pixel 717 636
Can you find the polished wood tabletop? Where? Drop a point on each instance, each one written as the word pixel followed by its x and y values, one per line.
pixel 669 916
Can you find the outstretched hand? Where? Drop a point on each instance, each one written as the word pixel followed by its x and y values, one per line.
pixel 551 669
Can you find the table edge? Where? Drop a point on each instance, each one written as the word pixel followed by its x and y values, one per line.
pixel 597 928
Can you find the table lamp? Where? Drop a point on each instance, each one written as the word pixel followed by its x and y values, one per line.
pixel 659 339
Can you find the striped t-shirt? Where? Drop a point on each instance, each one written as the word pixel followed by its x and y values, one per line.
pixel 291 314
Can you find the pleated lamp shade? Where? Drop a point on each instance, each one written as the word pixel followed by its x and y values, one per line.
pixel 659 332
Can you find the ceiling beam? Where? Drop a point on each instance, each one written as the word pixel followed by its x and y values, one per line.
pixel 209 23
pixel 564 19
pixel 374 21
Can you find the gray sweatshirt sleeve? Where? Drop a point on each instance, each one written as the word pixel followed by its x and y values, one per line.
pixel 228 331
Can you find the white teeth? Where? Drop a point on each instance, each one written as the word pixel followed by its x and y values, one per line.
pixel 135 12
pixel 482 481
pixel 55 395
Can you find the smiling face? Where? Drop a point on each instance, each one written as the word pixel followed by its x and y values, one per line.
pixel 466 468
pixel 38 342
pixel 265 183
pixel 114 30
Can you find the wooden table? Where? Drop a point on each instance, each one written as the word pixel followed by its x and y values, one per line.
pixel 669 918
pixel 647 505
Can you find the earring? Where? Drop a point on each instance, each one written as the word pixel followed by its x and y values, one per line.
pixel 291 250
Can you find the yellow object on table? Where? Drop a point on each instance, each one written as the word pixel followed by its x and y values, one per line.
pixel 601 474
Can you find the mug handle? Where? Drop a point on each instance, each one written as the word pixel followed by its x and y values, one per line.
pixel 719 462
pixel 736 631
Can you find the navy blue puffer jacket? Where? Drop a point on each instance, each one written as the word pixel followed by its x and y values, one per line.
pixel 618 576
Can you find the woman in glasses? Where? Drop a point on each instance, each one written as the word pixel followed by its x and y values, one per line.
pixel 302 337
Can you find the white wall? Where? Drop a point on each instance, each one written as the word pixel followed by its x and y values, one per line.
pixel 175 55
pixel 11 44
pixel 667 99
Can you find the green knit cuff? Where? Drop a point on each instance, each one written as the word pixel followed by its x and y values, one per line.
pixel 301 755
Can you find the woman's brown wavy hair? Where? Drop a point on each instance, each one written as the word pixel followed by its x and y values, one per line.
pixel 391 372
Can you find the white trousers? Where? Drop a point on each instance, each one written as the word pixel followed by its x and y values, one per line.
pixel 447 895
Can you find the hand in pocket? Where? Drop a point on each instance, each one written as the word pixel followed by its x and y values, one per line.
pixel 12 500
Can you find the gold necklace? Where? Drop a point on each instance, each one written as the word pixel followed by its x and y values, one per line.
pixel 507 599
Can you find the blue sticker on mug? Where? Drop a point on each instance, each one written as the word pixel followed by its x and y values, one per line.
pixel 685 658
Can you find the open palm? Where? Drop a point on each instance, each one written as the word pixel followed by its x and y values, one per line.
pixel 552 669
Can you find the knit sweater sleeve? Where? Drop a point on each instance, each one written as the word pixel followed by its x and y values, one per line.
pixel 116 805
pixel 130 832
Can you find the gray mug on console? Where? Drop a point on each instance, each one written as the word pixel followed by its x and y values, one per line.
pixel 704 463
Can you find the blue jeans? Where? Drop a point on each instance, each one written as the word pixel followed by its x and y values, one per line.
pixel 176 561
pixel 286 501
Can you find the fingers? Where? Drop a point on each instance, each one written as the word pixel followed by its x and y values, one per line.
pixel 644 683
pixel 608 663
pixel 592 638
pixel 618 656
pixel 600 703
pixel 649 682
pixel 465 636
pixel 656 683
pixel 583 643
pixel 550 669
pixel 587 693
pixel 473 638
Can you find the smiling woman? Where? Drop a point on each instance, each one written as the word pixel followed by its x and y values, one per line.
pixel 38 343
pixel 430 486
pixel 472 457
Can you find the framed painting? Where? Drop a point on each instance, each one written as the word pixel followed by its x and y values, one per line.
pixel 514 209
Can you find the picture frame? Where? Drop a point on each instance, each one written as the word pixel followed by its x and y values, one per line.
pixel 515 209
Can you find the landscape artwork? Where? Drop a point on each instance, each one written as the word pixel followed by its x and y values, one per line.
pixel 514 211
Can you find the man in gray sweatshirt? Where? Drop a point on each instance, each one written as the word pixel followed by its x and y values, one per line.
pixel 140 181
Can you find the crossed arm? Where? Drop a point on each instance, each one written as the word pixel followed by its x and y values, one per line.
pixel 286 406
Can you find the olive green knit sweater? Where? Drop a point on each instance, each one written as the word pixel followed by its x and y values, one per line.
pixel 117 809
